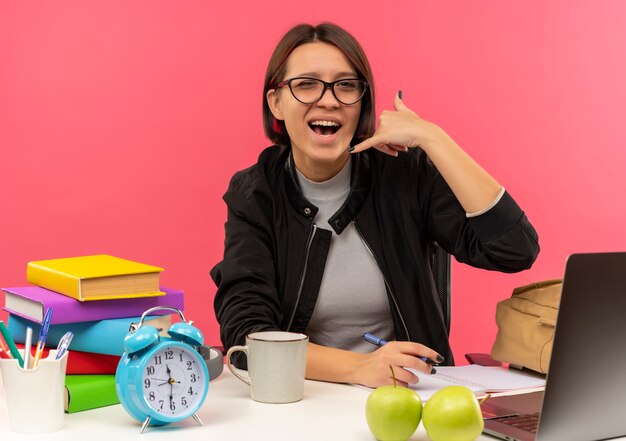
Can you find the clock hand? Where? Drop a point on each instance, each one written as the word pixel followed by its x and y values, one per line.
pixel 171 383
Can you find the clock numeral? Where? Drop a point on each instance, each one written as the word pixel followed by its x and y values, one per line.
pixel 157 359
pixel 189 364
pixel 192 378
pixel 161 404
pixel 150 370
pixel 151 396
pixel 169 355
pixel 183 401
pixel 172 405
pixel 181 357
pixel 146 383
pixel 190 391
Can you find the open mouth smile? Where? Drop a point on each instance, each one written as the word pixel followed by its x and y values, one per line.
pixel 325 128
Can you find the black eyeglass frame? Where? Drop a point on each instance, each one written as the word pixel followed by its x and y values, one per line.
pixel 327 85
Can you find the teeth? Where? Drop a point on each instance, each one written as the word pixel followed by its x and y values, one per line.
pixel 324 123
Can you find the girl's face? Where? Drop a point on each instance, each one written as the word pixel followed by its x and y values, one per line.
pixel 321 132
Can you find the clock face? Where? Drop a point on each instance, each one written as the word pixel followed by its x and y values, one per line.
pixel 174 381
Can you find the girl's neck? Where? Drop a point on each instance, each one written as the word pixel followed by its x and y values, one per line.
pixel 320 171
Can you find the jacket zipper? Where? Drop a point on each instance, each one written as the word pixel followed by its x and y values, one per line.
pixel 392 294
pixel 303 275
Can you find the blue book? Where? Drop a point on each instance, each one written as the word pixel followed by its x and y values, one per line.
pixel 102 336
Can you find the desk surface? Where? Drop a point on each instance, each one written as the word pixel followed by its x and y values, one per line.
pixel 327 412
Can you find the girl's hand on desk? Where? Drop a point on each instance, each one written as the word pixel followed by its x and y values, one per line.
pixel 373 370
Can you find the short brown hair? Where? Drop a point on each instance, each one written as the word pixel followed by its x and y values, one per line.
pixel 326 33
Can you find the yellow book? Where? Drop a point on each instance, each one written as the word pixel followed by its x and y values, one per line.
pixel 96 277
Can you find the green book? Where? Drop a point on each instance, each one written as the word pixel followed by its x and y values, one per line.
pixel 84 392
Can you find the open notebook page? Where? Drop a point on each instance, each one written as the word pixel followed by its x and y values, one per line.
pixel 480 379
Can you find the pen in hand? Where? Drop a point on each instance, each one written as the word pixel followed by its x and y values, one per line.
pixel 371 338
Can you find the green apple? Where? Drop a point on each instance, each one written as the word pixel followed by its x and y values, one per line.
pixel 393 413
pixel 453 414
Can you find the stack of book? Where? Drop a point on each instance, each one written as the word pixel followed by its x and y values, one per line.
pixel 96 298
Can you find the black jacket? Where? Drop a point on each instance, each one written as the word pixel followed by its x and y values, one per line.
pixel 274 254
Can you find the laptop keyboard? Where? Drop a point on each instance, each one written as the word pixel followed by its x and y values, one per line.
pixel 526 422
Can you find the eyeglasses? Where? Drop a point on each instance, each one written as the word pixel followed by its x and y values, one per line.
pixel 310 90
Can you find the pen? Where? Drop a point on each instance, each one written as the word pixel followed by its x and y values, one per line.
pixel 64 343
pixel 371 338
pixel 28 341
pixel 43 334
pixel 11 344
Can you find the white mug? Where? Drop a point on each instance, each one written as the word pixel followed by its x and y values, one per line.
pixel 276 365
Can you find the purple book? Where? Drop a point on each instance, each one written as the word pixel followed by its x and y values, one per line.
pixel 31 302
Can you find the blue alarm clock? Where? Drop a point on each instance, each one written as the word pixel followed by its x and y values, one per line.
pixel 161 380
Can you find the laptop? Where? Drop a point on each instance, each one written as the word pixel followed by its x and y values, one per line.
pixel 585 394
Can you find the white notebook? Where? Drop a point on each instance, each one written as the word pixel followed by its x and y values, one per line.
pixel 479 379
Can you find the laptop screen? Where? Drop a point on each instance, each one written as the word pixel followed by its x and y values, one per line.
pixel 585 394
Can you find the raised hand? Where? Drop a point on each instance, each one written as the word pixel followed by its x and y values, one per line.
pixel 399 129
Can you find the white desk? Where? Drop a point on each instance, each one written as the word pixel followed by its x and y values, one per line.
pixel 327 412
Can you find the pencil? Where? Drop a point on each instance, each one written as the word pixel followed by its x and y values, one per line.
pixel 11 344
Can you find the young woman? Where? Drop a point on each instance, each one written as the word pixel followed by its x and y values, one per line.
pixel 328 234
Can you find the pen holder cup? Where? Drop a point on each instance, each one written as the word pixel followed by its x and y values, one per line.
pixel 34 397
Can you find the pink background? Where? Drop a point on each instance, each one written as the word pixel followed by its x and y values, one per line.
pixel 121 123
